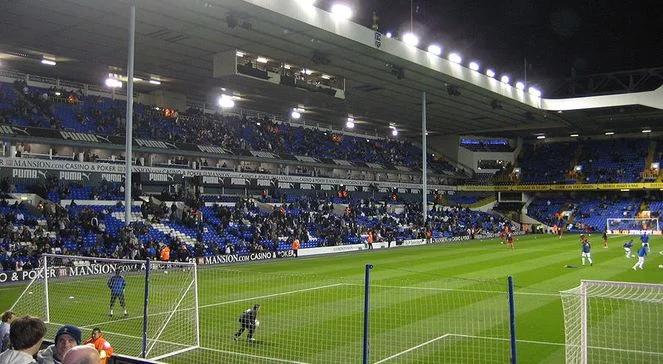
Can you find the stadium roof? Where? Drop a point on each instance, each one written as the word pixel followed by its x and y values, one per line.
pixel 176 41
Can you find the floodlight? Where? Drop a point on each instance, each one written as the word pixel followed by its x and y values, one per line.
pixel 411 39
pixel 341 11
pixel 505 79
pixel 474 66
pixel 435 49
pixel 455 58
pixel 490 73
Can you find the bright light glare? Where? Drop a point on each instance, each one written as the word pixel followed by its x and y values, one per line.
pixel 520 85
pixel 434 49
pixel 326 77
pixel 474 66
pixel 505 79
pixel 541 137
pixel 609 133
pixel 261 60
pixel 113 83
pixel 286 66
pixel 574 135
pixel 490 73
pixel 455 58
pixel 295 114
pixel 646 131
pixel 411 39
pixel 226 102
pixel 394 132
pixel 57 93
pixel 389 35
pixel 341 11
pixel 350 124
pixel 49 62
pixel 535 92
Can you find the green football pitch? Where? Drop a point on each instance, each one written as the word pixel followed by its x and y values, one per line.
pixel 442 303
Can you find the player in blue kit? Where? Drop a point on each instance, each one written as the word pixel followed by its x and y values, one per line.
pixel 116 284
pixel 586 249
pixel 627 247
pixel 644 238
pixel 642 253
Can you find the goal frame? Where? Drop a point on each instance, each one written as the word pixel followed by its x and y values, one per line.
pixel 608 230
pixel 43 274
pixel 581 293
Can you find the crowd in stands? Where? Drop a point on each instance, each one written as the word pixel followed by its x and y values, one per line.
pixel 196 230
pixel 25 105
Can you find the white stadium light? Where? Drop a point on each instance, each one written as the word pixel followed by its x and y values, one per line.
pixel 239 54
pixel 341 11
pixel 350 124
pixel 455 58
pixel 534 92
pixel 155 82
pixel 505 79
pixel 137 79
pixel 435 49
pixel 411 39
pixel 541 137
pixel 226 102
pixel 325 77
pixel 295 114
pixel 394 132
pixel 113 83
pixel 389 35
pixel 262 60
pixel 48 62
pixel 520 85
pixel 57 93
pixel 646 131
pixel 490 73
pixel 574 135
pixel 609 133
pixel 474 66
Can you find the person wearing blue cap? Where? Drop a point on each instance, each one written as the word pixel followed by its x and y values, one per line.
pixel 66 338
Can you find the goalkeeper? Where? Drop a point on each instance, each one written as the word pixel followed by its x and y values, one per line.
pixel 248 321
pixel 116 284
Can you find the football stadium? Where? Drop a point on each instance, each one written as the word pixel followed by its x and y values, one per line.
pixel 302 181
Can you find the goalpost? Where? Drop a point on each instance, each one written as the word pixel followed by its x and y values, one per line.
pixel 613 322
pixel 160 298
pixel 632 226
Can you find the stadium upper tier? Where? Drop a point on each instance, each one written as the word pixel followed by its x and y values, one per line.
pixel 587 161
pixel 23 105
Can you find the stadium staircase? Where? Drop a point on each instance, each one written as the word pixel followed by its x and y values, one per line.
pixel 163 228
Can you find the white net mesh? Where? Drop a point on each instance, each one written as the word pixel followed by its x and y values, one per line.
pixel 613 322
pixel 437 319
pixel 631 226
pixel 79 291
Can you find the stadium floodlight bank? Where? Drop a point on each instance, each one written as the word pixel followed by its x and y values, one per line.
pixel 154 304
pixel 632 226
pixel 613 322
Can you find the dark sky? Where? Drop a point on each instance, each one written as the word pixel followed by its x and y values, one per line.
pixel 591 36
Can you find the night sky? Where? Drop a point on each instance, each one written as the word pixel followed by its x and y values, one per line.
pixel 590 36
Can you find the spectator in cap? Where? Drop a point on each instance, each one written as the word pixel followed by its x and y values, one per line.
pixel 66 338
pixel 81 354
pixel 26 335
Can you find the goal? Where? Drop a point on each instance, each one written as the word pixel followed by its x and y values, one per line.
pixel 632 226
pixel 613 322
pixel 155 316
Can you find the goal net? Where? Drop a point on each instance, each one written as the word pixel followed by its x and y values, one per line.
pixel 613 322
pixel 632 226
pixel 437 320
pixel 154 310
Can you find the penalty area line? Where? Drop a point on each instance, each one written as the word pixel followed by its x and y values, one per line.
pixel 217 304
pixel 411 349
